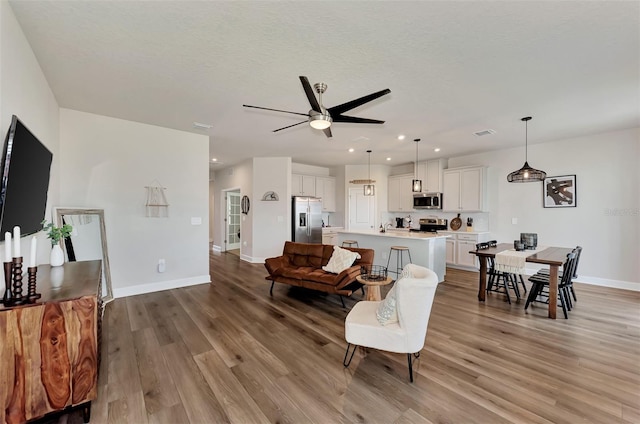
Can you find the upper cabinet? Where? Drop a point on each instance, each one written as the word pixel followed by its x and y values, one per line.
pixel 309 185
pixel 430 172
pixel 464 189
pixel 326 190
pixel 303 185
pixel 400 196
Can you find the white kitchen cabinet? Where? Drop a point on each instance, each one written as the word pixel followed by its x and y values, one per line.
pixel 303 185
pixel 451 251
pixel 460 244
pixel 430 172
pixel 400 196
pixel 464 189
pixel 326 190
pixel 330 235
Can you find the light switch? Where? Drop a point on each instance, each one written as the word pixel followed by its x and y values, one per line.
pixel 514 221
pixel 196 220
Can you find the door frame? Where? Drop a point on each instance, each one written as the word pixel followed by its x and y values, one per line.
pixel 223 215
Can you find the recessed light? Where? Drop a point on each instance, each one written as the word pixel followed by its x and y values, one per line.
pixel 388 158
pixel 351 150
pixel 401 137
pixel 437 149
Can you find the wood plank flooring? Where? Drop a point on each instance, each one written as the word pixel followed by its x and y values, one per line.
pixel 229 352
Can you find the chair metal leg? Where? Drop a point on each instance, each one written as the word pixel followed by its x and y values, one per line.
pixel 344 361
pixel 362 289
pixel 271 289
pixel 522 282
pixel 342 300
pixel 410 361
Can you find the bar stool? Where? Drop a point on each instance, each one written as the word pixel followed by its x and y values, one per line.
pixel 399 258
pixel 350 243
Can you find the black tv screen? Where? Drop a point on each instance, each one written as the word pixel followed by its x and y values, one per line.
pixel 26 164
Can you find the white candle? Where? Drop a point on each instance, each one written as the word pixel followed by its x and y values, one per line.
pixel 32 257
pixel 7 246
pixel 16 242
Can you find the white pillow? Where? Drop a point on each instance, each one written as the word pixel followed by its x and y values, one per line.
pixel 340 260
pixel 387 313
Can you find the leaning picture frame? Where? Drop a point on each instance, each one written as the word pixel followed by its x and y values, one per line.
pixel 559 192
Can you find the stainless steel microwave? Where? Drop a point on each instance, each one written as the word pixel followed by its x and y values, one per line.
pixel 427 201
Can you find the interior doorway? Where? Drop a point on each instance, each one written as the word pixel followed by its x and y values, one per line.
pixel 232 221
pixel 361 210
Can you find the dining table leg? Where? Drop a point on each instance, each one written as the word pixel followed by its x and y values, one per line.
pixel 553 290
pixel 482 283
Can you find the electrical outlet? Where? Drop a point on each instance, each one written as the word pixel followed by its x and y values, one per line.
pixel 514 221
pixel 162 266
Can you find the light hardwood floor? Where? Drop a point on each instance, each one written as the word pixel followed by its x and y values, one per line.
pixel 229 352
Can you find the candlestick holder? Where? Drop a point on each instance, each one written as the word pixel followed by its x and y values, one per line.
pixel 18 299
pixel 7 299
pixel 32 296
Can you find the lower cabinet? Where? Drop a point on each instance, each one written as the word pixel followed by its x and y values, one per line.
pixel 460 244
pixel 330 235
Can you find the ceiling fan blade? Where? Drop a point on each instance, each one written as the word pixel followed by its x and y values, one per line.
pixel 327 132
pixel 276 110
pixel 356 120
pixel 337 110
pixel 289 126
pixel 309 91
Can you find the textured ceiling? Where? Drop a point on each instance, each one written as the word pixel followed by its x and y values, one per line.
pixel 453 68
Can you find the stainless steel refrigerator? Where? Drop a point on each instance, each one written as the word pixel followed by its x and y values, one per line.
pixel 306 225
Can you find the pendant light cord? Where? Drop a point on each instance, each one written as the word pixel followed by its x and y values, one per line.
pixel 526 140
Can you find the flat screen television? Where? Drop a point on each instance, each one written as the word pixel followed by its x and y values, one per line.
pixel 25 169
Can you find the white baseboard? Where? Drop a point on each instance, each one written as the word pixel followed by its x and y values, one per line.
pixel 597 281
pixel 216 248
pixel 159 286
pixel 251 259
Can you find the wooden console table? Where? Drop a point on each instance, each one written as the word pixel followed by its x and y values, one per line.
pixel 49 350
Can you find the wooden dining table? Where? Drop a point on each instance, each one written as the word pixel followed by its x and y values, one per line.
pixel 554 257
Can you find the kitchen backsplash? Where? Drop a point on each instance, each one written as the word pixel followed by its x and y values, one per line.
pixel 480 219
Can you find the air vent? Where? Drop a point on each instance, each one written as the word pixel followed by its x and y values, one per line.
pixel 201 126
pixel 484 132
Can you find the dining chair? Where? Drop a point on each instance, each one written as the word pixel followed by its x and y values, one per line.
pixel 545 271
pixel 539 282
pixel 499 281
pixel 411 297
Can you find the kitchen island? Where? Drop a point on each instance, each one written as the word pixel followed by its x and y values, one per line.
pixel 427 249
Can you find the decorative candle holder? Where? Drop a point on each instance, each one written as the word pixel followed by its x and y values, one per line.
pixel 7 300
pixel 32 296
pixel 18 299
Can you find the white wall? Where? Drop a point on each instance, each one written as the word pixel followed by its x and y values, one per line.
pixel 605 221
pixel 107 163
pixel 271 219
pixel 24 92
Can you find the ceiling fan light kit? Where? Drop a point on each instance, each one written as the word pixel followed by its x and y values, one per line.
pixel 416 184
pixel 526 174
pixel 321 118
pixel 369 188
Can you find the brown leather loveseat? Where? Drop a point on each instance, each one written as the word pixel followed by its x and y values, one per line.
pixel 301 265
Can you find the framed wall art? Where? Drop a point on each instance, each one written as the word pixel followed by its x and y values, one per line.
pixel 559 192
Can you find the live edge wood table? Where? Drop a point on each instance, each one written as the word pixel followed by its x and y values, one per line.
pixel 49 349
pixel 552 256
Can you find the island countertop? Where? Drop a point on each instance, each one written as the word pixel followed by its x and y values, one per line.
pixel 396 234
pixel 425 249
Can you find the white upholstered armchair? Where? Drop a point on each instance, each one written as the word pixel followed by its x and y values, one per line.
pixel 374 324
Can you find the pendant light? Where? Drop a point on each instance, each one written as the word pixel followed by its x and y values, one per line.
pixel 526 174
pixel 369 188
pixel 416 184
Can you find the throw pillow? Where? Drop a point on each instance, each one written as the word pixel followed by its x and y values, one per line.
pixel 387 312
pixel 340 260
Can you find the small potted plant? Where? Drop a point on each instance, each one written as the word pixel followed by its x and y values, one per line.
pixel 55 234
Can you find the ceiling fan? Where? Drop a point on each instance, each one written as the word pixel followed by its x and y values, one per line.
pixel 320 117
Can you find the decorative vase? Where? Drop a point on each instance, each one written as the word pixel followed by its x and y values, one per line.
pixel 57 255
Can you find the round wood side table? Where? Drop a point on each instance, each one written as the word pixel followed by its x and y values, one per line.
pixel 373 287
